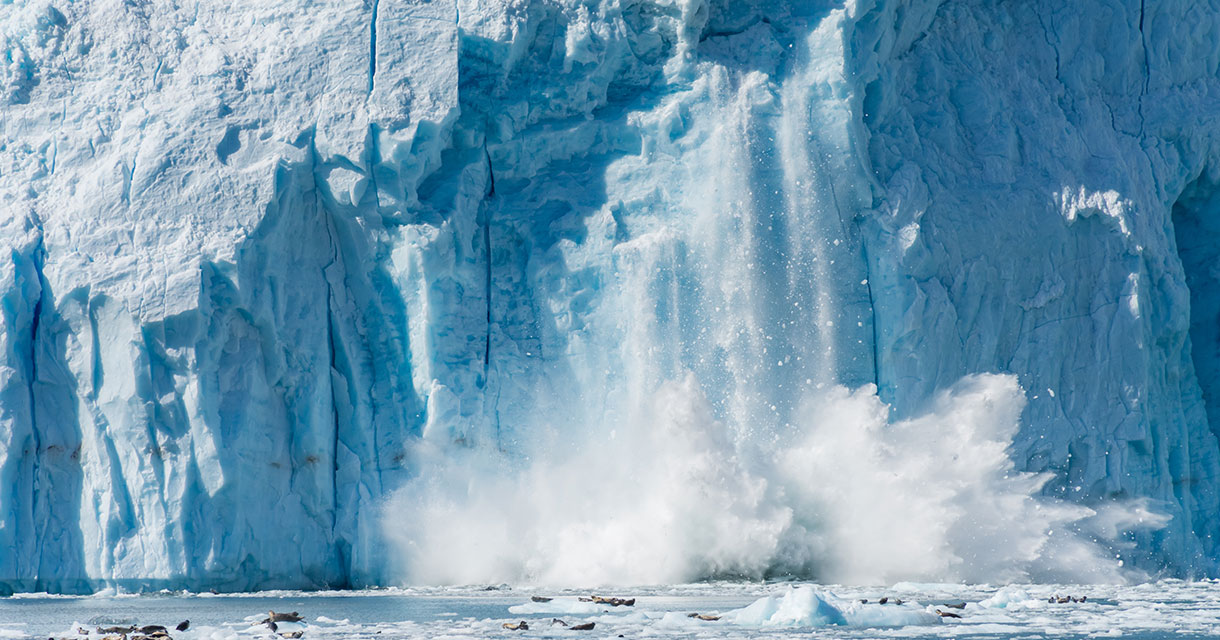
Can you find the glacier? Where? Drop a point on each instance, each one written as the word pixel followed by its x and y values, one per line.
pixel 295 255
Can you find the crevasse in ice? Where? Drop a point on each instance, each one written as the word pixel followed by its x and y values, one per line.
pixel 260 261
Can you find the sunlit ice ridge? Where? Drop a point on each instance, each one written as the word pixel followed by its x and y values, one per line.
pixel 341 294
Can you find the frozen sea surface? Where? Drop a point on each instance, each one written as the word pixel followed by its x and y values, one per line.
pixel 1156 610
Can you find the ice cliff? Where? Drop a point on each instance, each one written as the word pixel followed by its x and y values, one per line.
pixel 261 260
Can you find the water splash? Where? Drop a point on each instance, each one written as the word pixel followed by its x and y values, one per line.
pixel 850 497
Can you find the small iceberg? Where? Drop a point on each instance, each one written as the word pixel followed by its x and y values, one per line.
pixel 1010 597
pixel 806 607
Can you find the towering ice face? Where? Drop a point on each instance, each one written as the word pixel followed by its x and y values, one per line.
pixel 266 264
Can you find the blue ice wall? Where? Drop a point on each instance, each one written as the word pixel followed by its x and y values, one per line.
pixel 258 260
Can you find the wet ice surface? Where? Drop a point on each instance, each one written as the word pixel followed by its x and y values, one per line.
pixel 1157 610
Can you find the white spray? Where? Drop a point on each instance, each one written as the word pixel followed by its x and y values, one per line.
pixel 851 497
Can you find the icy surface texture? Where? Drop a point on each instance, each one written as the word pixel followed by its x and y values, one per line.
pixel 260 260
pixel 1156 611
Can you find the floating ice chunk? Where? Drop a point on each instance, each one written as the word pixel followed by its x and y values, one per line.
pixel 679 620
pixel 888 615
pixel 798 607
pixel 806 607
pixel 1007 597
pixel 558 605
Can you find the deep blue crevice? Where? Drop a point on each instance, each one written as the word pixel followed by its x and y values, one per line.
pixel 1196 225
pixel 373 45
pixel 491 192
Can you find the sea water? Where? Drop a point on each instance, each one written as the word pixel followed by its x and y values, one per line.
pixel 746 610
